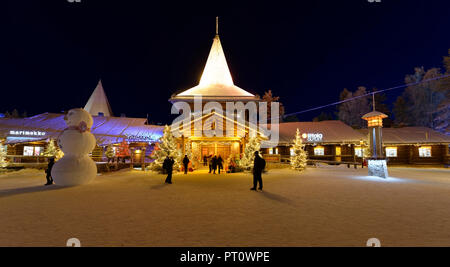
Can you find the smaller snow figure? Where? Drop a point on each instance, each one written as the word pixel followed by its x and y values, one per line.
pixel 3 162
pixel 299 157
pixel 76 141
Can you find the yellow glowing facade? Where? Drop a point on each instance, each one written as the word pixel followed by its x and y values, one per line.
pixel 216 84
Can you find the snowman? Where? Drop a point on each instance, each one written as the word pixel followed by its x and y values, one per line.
pixel 76 141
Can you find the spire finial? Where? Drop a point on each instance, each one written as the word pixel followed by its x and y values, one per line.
pixel 217 25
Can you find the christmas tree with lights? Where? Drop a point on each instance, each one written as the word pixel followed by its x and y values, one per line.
pixel 167 146
pixel 299 157
pixel 3 153
pixel 110 153
pixel 52 150
pixel 249 153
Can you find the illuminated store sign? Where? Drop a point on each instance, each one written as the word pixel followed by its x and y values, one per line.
pixel 313 137
pixel 27 133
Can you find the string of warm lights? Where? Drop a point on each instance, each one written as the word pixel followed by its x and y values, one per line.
pixel 368 94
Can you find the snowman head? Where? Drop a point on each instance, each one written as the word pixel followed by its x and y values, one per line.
pixel 78 115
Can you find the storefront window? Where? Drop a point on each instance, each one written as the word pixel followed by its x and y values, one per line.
pixel 33 150
pixel 391 152
pixel 319 151
pixel 425 151
pixel 270 151
pixel 358 152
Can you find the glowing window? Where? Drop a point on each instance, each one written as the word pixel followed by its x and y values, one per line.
pixel 425 151
pixel 276 151
pixel 270 151
pixel 338 151
pixel 33 150
pixel 292 152
pixel 319 151
pixel 391 152
pixel 38 150
pixel 28 150
pixel 358 151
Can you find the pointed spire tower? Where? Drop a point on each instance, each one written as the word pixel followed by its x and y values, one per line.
pixel 216 81
pixel 98 102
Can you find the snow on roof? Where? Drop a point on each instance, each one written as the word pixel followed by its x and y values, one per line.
pixel 98 102
pixel 107 130
pixel 332 132
pixel 216 80
pixel 411 135
pixel 374 114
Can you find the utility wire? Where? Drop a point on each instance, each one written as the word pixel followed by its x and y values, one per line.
pixel 372 93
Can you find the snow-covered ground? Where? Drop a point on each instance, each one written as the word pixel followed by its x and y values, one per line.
pixel 325 206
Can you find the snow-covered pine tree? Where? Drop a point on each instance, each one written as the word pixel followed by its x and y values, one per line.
pixel 249 153
pixel 188 151
pixel 167 146
pixel 52 150
pixel 300 157
pixel 442 118
pixel 3 162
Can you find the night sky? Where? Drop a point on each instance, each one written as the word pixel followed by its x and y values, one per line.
pixel 52 53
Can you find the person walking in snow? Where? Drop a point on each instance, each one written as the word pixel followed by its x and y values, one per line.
pixel 210 159
pixel 220 163
pixel 168 167
pixel 258 167
pixel 214 164
pixel 185 164
pixel 48 171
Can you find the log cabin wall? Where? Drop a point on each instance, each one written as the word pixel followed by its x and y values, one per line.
pixel 409 154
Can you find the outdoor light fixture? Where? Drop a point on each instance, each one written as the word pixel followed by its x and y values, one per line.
pixel 377 162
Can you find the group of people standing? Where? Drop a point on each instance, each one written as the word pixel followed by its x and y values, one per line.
pixel 215 163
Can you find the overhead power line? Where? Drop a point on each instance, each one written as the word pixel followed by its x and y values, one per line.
pixel 371 93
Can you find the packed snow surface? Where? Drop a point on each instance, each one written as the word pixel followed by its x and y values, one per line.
pixel 324 206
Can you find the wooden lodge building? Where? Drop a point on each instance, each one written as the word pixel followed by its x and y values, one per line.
pixel 332 141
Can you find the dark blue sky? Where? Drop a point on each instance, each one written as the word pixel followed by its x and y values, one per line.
pixel 52 53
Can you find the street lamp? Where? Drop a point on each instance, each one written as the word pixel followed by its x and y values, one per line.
pixel 377 162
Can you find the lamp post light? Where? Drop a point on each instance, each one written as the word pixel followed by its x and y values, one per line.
pixel 377 162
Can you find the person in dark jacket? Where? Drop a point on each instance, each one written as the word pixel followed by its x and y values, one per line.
pixel 219 163
pixel 214 164
pixel 168 168
pixel 51 162
pixel 210 160
pixel 205 160
pixel 185 164
pixel 258 167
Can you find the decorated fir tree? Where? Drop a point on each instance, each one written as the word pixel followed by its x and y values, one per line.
pixel 167 146
pixel 188 151
pixel 249 153
pixel 299 157
pixel 110 153
pixel 52 150
pixel 3 162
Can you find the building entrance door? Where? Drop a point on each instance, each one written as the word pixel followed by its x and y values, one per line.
pixel 216 149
